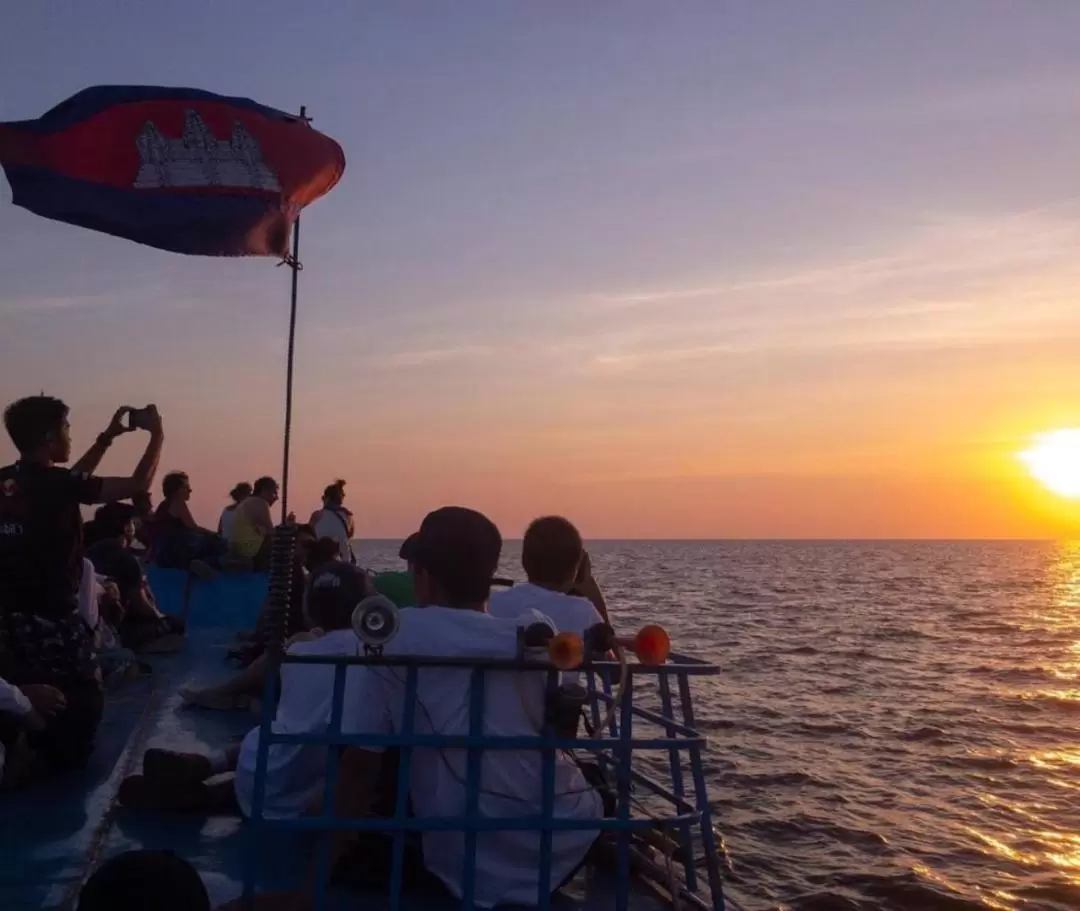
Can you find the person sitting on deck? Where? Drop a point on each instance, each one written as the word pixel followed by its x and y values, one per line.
pixel 142 627
pixel 239 493
pixel 455 555
pixel 43 639
pixel 179 541
pixel 23 709
pixel 253 525
pixel 241 693
pixel 335 521
pixel 556 563
pixel 178 781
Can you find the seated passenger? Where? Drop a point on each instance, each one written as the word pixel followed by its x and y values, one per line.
pixel 555 563
pixel 253 525
pixel 23 709
pixel 238 494
pixel 456 554
pixel 143 627
pixel 178 781
pixel 335 521
pixel 179 541
pixel 398 586
pixel 43 639
pixel 241 693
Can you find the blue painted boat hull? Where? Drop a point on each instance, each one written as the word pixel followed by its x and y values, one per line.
pixel 53 834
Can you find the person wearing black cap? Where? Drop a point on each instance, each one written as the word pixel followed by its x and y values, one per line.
pixel 294 772
pixel 455 555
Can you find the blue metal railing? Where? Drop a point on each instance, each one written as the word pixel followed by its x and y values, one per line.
pixel 676 819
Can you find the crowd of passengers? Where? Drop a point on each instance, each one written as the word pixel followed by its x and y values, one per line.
pixel 68 611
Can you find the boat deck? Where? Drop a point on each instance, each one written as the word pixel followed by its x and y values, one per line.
pixel 53 835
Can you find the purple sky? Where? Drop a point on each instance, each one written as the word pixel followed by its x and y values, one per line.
pixel 586 251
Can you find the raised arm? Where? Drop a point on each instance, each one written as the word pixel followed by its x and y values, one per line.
pixel 140 481
pixel 92 457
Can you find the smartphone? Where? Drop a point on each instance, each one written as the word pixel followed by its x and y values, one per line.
pixel 136 417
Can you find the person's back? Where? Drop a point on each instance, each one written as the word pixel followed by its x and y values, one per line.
pixel 228 515
pixel 41 537
pixel 456 556
pixel 552 555
pixel 511 780
pixel 252 522
pixel 335 521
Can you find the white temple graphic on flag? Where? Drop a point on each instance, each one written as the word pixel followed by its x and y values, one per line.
pixel 199 159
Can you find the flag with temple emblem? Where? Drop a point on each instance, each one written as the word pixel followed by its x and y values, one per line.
pixel 179 169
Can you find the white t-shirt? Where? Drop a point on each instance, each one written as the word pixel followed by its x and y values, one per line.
pixel 13 701
pixel 507 862
pixel 331 524
pixel 571 614
pixel 295 773
pixel 225 523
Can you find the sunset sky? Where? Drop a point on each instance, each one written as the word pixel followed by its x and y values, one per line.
pixel 695 269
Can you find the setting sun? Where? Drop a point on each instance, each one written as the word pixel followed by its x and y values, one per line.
pixel 1054 460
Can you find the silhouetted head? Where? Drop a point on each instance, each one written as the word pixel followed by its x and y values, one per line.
pixel 334 494
pixel 141 880
pixel 455 557
pixel 551 553
pixel 267 488
pixel 39 428
pixel 176 486
pixel 240 492
pixel 116 521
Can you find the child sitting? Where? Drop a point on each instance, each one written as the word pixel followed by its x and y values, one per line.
pixel 181 782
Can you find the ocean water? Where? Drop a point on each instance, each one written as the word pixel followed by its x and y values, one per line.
pixel 897 726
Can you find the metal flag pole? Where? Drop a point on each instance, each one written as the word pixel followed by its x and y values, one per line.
pixel 296 267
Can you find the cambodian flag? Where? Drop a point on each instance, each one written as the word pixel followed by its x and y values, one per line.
pixel 179 169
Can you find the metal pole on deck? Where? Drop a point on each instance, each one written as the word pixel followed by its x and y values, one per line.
pixel 294 264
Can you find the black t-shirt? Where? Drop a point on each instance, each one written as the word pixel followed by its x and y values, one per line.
pixel 41 543
pixel 112 559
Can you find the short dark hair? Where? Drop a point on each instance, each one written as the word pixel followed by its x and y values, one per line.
pixel 137 880
pixel 110 519
pixel 173 483
pixel 29 421
pixel 240 492
pixel 459 548
pixel 264 483
pixel 552 551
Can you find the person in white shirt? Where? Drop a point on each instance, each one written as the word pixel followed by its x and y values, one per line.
pixel 335 521
pixel 238 494
pixel 294 773
pixel 23 708
pixel 455 557
pixel 556 564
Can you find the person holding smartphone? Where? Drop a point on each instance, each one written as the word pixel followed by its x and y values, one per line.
pixel 43 639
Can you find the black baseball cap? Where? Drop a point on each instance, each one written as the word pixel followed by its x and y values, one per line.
pixel 334 589
pixel 460 549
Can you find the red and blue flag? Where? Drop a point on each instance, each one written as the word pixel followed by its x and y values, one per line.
pixel 178 169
